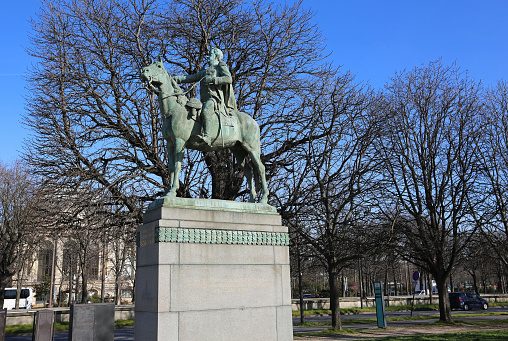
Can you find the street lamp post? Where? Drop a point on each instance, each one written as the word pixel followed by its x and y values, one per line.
pixel 300 287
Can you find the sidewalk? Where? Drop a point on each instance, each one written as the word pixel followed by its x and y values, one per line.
pixel 403 331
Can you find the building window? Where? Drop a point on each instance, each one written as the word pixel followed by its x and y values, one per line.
pixel 45 260
pixel 93 263
pixel 126 293
pixel 70 260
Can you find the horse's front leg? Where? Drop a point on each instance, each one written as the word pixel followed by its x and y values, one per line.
pixel 176 165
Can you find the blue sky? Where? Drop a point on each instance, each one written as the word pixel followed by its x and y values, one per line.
pixel 371 38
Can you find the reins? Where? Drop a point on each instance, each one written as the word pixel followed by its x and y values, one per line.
pixel 183 93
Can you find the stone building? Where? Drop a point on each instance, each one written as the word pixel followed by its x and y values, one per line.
pixel 71 257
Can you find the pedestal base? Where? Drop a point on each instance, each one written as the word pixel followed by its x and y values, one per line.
pixel 212 270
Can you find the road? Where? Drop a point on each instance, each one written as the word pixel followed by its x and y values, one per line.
pixel 127 334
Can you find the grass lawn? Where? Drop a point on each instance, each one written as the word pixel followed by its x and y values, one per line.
pixel 413 318
pixel 387 308
pixel 365 310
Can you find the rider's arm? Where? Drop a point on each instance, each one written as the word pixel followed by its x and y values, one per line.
pixel 225 76
pixel 190 78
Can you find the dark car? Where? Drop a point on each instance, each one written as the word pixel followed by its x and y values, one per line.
pixel 306 296
pixel 467 300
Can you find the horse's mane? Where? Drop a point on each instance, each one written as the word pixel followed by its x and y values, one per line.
pixel 182 99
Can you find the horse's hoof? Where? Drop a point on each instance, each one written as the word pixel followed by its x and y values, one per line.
pixel 169 195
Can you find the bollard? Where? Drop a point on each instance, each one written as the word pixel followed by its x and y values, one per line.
pixel 92 322
pixel 380 304
pixel 45 325
pixel 3 322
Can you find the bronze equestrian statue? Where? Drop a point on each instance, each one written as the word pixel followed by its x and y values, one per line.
pixel 212 125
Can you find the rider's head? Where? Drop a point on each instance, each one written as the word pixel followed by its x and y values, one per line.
pixel 215 56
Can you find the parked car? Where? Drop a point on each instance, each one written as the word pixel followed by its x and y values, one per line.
pixel 307 296
pixel 467 300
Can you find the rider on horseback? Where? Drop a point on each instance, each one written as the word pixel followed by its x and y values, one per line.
pixel 216 91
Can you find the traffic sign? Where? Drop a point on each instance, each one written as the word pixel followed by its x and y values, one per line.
pixel 416 275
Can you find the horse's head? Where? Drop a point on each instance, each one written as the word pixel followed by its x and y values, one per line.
pixel 154 75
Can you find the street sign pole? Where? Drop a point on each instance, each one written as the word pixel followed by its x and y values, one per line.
pixel 416 275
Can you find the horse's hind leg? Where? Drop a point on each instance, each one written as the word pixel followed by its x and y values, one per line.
pixel 240 155
pixel 260 169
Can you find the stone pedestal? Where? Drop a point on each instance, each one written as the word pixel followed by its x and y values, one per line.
pixel 212 270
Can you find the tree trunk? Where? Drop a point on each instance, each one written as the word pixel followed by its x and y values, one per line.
pixel 227 178
pixel 134 291
pixel 444 303
pixel 503 284
pixel 84 279
pixel 52 279
pixel 84 285
pixel 103 269
pixel 19 286
pixel 334 299
pixel 117 290
pixel 475 280
pixel 386 281
pixel 395 291
pixel 78 289
pixel 118 276
pixel 429 285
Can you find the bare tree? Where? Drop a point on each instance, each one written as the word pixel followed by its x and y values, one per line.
pixel 492 214
pixel 121 244
pixel 18 202
pixel 428 147
pixel 93 123
pixel 328 189
pixel 476 254
pixel 26 252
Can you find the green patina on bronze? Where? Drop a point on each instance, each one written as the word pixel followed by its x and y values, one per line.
pixel 214 123
pixel 210 236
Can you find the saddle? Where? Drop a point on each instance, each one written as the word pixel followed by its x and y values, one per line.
pixel 226 119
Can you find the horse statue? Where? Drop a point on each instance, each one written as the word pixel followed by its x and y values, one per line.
pixel 181 126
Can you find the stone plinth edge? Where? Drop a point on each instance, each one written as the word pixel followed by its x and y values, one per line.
pixel 212 204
